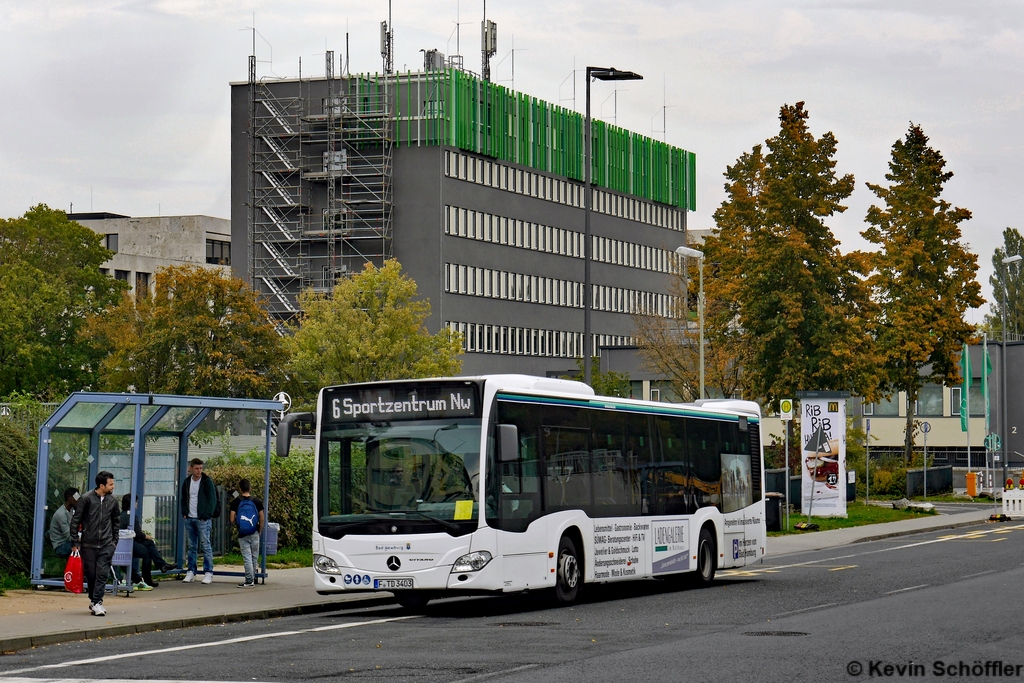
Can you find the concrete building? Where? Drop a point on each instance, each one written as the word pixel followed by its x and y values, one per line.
pixel 144 244
pixel 477 190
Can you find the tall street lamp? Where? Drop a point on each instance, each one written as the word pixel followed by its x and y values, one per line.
pixel 602 74
pixel 1005 446
pixel 699 255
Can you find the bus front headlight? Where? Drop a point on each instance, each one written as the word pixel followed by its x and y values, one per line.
pixel 325 565
pixel 473 562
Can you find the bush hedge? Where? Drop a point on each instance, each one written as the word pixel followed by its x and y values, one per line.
pixel 18 481
pixel 291 490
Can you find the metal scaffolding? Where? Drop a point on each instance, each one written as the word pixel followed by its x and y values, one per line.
pixel 320 182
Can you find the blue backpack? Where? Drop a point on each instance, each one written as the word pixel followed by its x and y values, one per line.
pixel 247 517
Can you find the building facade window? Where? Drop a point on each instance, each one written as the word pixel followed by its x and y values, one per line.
pixel 486 227
pixel 499 284
pixel 218 252
pixel 887 407
pixel 122 275
pixel 494 174
pixel 110 242
pixel 929 401
pixel 977 401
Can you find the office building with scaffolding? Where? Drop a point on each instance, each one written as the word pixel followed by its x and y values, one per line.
pixel 476 189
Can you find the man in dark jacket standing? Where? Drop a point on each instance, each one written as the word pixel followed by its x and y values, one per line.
pixel 96 513
pixel 198 506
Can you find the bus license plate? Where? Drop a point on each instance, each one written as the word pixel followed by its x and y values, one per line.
pixel 392 584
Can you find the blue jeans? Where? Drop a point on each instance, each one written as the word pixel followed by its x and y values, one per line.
pixel 198 533
pixel 63 551
pixel 250 547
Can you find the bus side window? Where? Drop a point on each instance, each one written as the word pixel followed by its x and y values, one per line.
pixel 638 446
pixel 674 491
pixel 519 493
pixel 613 466
pixel 705 461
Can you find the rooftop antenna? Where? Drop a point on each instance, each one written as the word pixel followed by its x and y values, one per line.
pixel 387 42
pixel 572 75
pixel 488 44
pixel 664 109
pixel 345 72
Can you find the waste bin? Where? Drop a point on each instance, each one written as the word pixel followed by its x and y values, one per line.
pixel 773 510
pixel 270 537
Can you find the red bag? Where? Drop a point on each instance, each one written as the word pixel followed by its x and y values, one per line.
pixel 73 573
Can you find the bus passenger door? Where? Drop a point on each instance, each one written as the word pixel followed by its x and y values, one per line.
pixel 523 541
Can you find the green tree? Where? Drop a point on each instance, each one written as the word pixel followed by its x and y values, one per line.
pixel 801 305
pixel 17 476
pixel 50 280
pixel 922 277
pixel 371 328
pixel 1008 275
pixel 609 383
pixel 670 345
pixel 201 333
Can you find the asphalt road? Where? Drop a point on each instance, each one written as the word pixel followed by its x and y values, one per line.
pixel 836 615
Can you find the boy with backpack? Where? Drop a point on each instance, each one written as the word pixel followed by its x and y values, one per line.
pixel 247 516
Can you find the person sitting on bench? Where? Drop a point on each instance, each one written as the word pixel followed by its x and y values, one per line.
pixel 144 548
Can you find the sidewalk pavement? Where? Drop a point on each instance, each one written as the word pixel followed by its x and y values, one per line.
pixel 819 540
pixel 30 618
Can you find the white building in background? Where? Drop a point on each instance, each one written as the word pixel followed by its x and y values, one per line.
pixel 141 245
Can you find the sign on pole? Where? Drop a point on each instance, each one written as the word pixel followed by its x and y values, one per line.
pixel 786 409
pixel 823 450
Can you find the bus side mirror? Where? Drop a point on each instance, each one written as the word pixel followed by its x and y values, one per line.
pixel 284 430
pixel 508 443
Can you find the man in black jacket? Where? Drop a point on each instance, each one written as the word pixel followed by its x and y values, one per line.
pixel 96 513
pixel 198 506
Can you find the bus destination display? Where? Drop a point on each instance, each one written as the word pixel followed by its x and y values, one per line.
pixel 401 402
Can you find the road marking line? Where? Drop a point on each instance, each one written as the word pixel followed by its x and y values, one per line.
pixel 839 569
pixel 481 677
pixel 987 571
pixel 807 609
pixel 104 680
pixel 229 641
pixel 903 590
pixel 941 539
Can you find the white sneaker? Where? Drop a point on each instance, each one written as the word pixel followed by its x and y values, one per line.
pixel 92 608
pixel 99 611
pixel 190 576
pixel 208 578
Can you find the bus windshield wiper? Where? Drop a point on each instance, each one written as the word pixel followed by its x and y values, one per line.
pixel 446 524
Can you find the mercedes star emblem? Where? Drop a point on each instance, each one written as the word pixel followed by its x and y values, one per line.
pixel 394 564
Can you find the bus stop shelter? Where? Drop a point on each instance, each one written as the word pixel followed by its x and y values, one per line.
pixel 144 440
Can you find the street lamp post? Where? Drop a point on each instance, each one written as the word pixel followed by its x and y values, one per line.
pixel 602 74
pixel 699 255
pixel 1003 427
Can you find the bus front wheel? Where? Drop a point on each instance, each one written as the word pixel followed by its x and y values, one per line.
pixel 706 558
pixel 569 572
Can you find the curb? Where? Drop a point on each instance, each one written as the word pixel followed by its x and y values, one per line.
pixel 951 525
pixel 11 645
pixel 891 534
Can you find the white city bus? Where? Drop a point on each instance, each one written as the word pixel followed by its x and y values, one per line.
pixel 506 483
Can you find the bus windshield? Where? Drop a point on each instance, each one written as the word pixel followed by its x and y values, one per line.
pixel 420 475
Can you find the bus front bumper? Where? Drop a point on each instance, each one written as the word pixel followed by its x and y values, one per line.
pixel 436 579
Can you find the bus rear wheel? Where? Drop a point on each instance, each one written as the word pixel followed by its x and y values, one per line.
pixel 706 558
pixel 568 572
pixel 412 600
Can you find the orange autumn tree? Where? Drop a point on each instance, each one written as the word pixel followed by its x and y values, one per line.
pixel 922 277
pixel 201 332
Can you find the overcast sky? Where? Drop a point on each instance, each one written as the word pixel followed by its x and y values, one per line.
pixel 123 106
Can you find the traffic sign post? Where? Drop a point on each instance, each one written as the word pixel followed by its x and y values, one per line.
pixel 786 414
